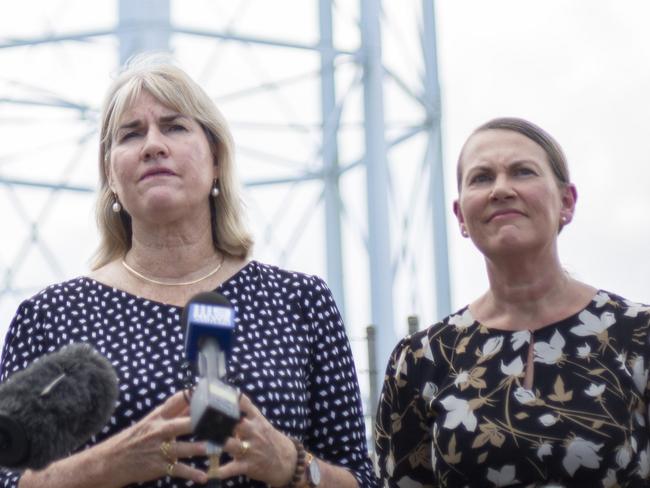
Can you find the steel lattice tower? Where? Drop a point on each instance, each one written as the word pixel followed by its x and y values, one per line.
pixel 363 203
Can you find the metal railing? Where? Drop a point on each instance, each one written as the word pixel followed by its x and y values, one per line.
pixel 370 374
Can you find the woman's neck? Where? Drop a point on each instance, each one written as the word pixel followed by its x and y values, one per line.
pixel 172 252
pixel 529 293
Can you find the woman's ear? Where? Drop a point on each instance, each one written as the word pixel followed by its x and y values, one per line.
pixel 461 220
pixel 569 197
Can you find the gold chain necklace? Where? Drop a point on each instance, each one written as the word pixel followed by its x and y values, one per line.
pixel 182 283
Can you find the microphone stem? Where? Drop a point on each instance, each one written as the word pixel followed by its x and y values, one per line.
pixel 214 458
pixel 212 361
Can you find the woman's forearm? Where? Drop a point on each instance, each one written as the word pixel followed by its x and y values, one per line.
pixel 86 469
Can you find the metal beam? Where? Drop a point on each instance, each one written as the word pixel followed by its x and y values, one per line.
pixel 143 26
pixel 256 40
pixel 381 276
pixel 51 39
pixel 329 152
pixel 434 158
pixel 45 185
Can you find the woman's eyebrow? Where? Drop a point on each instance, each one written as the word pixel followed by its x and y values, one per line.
pixel 165 119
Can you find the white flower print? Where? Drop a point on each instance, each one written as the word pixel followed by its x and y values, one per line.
pixel 581 452
pixel 462 321
pixel 635 308
pixel 610 480
pixel 622 359
pixel 401 368
pixel 519 338
pixel 595 390
pixel 644 463
pixel 504 477
pixel 584 351
pixel 390 464
pixel 601 299
pixel 426 347
pixel 458 412
pixel 461 378
pixel 548 419
pixel 515 368
pixel 430 391
pixel 524 396
pixel 639 374
pixel 593 325
pixel 492 346
pixel 623 455
pixel 544 450
pixel 549 352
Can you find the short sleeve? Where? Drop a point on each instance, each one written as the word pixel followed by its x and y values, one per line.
pixel 403 436
pixel 337 425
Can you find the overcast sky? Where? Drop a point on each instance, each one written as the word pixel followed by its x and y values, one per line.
pixel 578 68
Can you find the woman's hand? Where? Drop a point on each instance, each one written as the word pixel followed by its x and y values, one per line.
pixel 259 451
pixel 145 451
pixel 148 450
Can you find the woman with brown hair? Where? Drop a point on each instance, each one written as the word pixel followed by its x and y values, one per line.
pixel 543 378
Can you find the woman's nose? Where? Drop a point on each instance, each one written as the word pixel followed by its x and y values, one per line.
pixel 154 145
pixel 501 188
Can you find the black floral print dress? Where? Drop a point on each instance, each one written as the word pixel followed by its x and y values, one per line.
pixel 455 412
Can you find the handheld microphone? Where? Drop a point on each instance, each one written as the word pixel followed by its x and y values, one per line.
pixel 209 320
pixel 54 406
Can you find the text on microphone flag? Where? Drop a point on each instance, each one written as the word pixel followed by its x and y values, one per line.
pixel 210 314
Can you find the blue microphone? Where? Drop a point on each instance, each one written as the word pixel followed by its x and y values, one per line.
pixel 209 320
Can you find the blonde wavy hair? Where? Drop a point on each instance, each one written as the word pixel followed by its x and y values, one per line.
pixel 171 86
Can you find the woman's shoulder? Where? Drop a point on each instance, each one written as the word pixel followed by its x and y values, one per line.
pixel 63 290
pixel 608 302
pixel 613 319
pixel 273 275
pixel 51 298
pixel 419 344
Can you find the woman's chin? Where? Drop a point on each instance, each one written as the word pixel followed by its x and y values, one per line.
pixel 508 244
pixel 162 208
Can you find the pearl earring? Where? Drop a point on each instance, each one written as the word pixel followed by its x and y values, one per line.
pixel 116 207
pixel 215 189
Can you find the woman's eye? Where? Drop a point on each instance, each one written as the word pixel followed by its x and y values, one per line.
pixel 524 171
pixel 176 128
pixel 479 178
pixel 127 135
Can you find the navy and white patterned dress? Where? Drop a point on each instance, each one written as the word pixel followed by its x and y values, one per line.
pixel 290 355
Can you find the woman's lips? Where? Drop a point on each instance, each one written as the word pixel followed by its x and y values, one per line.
pixel 157 173
pixel 505 214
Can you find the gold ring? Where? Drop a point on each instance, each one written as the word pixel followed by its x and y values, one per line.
pixel 243 449
pixel 165 448
pixel 170 468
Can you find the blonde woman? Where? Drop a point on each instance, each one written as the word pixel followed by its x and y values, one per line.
pixel 171 226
